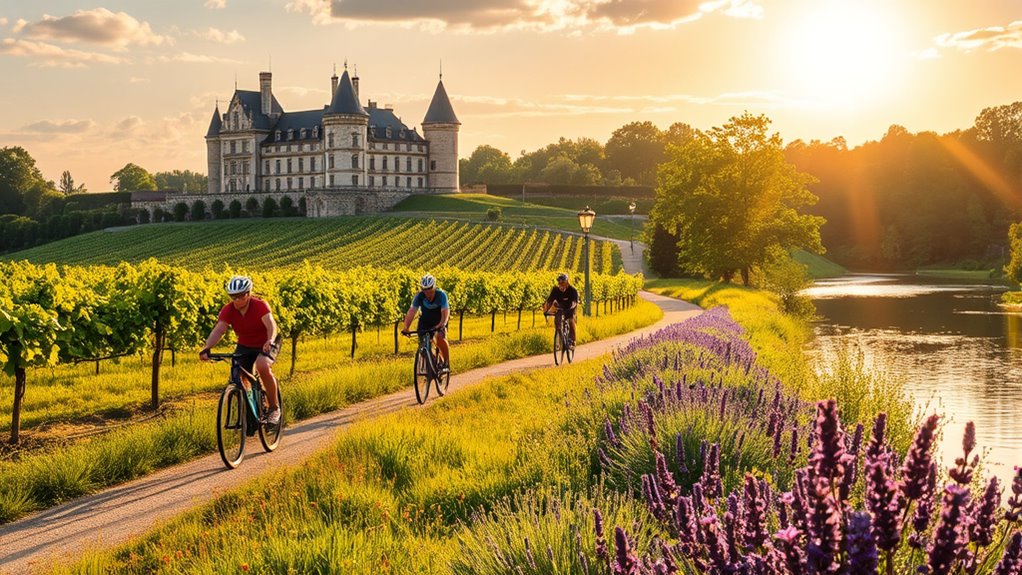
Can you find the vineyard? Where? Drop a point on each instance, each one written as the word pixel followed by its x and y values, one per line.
pixel 338 243
pixel 51 315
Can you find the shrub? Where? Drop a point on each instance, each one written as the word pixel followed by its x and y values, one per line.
pixel 494 214
pixel 234 209
pixel 217 209
pixel 252 206
pixel 180 211
pixel 198 210
pixel 269 208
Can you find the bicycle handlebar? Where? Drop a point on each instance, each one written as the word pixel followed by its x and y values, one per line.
pixel 420 332
pixel 223 356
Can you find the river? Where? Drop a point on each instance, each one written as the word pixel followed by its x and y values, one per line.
pixel 956 351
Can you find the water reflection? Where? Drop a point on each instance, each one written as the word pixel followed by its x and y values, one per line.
pixel 958 353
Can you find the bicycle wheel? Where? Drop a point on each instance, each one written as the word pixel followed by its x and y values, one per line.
pixel 423 376
pixel 269 435
pixel 557 347
pixel 443 378
pixel 230 426
pixel 569 348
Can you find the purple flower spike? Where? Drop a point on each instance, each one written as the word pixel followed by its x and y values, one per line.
pixel 883 501
pixel 981 530
pixel 828 457
pixel 948 537
pixel 713 488
pixel 608 430
pixel 917 463
pixel 924 511
pixel 962 472
pixel 877 442
pixel 668 488
pixel 790 550
pixel 1015 501
pixel 601 542
pixel 754 533
pixel 625 562
pixel 862 549
pixel 679 453
pixel 1011 561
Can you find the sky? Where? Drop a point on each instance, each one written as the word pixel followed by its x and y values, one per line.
pixel 90 87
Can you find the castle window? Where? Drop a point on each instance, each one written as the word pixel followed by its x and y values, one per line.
pixel 301 183
pixel 354 140
pixel 354 180
pixel 303 134
pixel 312 164
pixel 266 166
pixel 276 137
pixel 372 181
pixel 397 164
pixel 289 166
pixel 354 161
pixel 278 184
pixel 234 147
pixel 301 164
pixel 420 147
pixel 420 166
pixel 315 131
pixel 244 146
pixel 330 140
pixel 384 163
pixel 331 158
pixel 372 163
pixel 236 123
pixel 420 182
pixel 234 168
pixel 384 181
pixel 386 146
pixel 408 148
pixel 432 165
pixel 331 180
pixel 390 132
pixel 408 182
pixel 290 134
pixel 278 166
pixel 408 164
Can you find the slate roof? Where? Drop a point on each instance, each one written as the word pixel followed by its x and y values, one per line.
pixel 252 102
pixel 440 110
pixel 307 119
pixel 381 118
pixel 215 124
pixel 345 101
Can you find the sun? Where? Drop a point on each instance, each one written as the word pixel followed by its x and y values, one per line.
pixel 842 53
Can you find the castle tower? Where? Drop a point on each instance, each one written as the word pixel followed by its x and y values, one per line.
pixel 345 124
pixel 440 127
pixel 213 152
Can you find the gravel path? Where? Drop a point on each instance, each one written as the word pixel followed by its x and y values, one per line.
pixel 117 514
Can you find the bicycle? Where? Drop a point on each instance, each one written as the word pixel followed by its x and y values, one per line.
pixel 235 419
pixel 564 346
pixel 428 367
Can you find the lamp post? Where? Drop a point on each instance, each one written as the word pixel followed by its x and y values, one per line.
pixel 631 235
pixel 585 221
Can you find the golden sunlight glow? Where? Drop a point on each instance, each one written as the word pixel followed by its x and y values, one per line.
pixel 840 53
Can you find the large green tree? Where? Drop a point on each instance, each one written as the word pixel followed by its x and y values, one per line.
pixel 184 181
pixel 19 177
pixel 132 178
pixel 731 198
pixel 67 185
pixel 486 165
pixel 636 150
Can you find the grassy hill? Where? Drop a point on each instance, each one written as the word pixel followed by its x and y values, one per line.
pixel 337 243
pixel 474 207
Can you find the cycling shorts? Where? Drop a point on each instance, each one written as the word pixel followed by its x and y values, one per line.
pixel 251 354
pixel 441 331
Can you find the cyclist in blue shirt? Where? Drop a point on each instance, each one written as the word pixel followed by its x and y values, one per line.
pixel 432 301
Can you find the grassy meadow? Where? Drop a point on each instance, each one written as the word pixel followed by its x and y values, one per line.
pixel 508 473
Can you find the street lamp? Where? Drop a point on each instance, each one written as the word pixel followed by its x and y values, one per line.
pixel 585 221
pixel 631 235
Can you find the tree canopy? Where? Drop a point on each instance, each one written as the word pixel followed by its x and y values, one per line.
pixel 21 182
pixel 67 185
pixel 184 181
pixel 132 178
pixel 732 198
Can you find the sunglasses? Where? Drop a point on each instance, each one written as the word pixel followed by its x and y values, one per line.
pixel 237 296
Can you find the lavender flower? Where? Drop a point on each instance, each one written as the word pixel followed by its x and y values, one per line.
pixel 851 470
pixel 710 479
pixel 625 562
pixel 754 532
pixel 862 550
pixel 528 554
pixel 1011 561
pixel 790 550
pixel 883 501
pixel 981 529
pixel 668 488
pixel 962 471
pixel 601 543
pixel 1015 501
pixel 948 537
pixel 877 442
pixel 679 453
pixel 924 510
pixel 828 457
pixel 917 463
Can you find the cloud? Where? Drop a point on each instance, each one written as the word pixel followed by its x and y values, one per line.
pixel 220 36
pixel 137 80
pixel 98 26
pixel 3 21
pixel 58 127
pixel 623 16
pixel 216 4
pixel 129 124
pixel 989 39
pixel 51 55
pixel 188 57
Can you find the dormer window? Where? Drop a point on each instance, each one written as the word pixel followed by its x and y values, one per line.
pixel 303 134
pixel 290 134
pixel 276 136
pixel 390 132
pixel 315 131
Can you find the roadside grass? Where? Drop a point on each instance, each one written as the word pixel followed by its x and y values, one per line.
pixel 456 487
pixel 474 206
pixel 37 480
pixel 818 266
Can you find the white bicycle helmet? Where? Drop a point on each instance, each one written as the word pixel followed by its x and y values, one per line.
pixel 562 277
pixel 428 281
pixel 239 284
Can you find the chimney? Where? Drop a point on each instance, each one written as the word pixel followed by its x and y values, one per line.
pixel 265 95
pixel 333 85
pixel 354 84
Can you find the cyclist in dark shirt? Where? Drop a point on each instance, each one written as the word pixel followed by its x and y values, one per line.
pixel 564 298
pixel 432 301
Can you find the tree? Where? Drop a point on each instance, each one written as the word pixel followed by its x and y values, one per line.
pixel 67 185
pixel 486 165
pixel 1013 269
pixel 234 209
pixel 18 176
pixel 269 208
pixel 198 211
pixel 132 178
pixel 185 181
pixel 180 211
pixel 217 209
pixel 636 150
pixel 730 197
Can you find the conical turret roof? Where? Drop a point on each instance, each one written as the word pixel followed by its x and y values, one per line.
pixel 440 110
pixel 345 101
pixel 215 124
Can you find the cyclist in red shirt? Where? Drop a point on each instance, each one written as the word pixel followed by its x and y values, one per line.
pixel 253 323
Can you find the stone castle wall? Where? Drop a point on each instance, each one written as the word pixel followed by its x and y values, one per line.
pixel 318 203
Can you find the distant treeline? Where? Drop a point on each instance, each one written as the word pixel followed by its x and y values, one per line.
pixel 916 199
